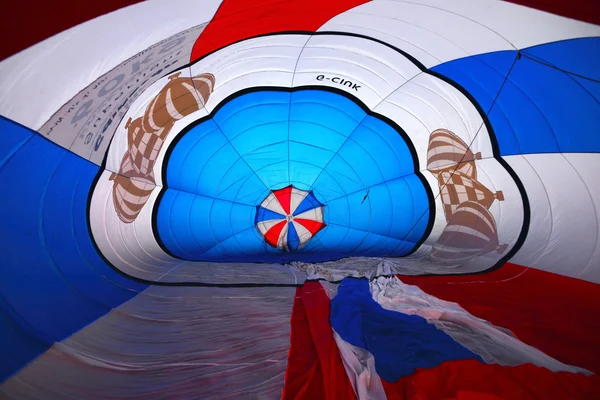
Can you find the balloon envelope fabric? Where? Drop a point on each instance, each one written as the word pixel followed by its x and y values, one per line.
pixel 358 166
pixel 304 200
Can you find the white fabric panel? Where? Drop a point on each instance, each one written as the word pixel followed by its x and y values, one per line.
pixel 360 368
pixel 427 103
pixel 133 249
pixel 564 195
pixel 271 203
pixel 303 234
pixel 282 241
pixel 130 247
pixel 437 31
pixel 36 82
pixel 521 26
pixel 372 70
pixel 264 226
pixel 296 199
pixel 263 61
pixel 430 34
pixel 495 345
pixel 587 167
pixel 316 214
pixel 170 343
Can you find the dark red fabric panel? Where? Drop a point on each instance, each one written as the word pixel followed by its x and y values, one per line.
pixel 25 23
pixel 303 376
pixel 471 380
pixel 315 369
pixel 241 19
pixel 583 10
pixel 554 313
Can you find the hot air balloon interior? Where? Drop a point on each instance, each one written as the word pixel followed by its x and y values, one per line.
pixel 300 199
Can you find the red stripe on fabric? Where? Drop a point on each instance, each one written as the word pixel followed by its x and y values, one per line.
pixel 471 380
pixel 240 19
pixel 312 226
pixel 23 24
pixel 583 10
pixel 315 368
pixel 303 376
pixel 551 312
pixel 272 235
pixel 284 196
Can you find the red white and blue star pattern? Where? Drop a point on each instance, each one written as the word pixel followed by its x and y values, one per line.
pixel 288 218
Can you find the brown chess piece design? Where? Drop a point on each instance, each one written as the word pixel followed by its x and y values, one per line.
pixel 456 188
pixel 146 135
pixel 471 231
pixel 448 152
pixel 180 97
pixel 145 146
pixel 131 190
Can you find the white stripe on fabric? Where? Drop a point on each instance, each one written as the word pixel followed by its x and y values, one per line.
pixel 494 344
pixel 296 198
pixel 282 242
pixel 466 230
pixel 150 114
pixel 476 212
pixel 192 89
pixel 316 214
pixel 264 226
pixel 171 106
pixel 360 368
pixel 271 203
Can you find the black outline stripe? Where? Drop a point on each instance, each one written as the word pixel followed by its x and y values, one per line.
pixel 255 89
pixel 432 209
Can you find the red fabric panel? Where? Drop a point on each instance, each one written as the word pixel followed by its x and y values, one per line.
pixel 25 23
pixel 284 196
pixel 311 225
pixel 315 369
pixel 554 313
pixel 303 377
pixel 471 380
pixel 583 10
pixel 272 235
pixel 241 19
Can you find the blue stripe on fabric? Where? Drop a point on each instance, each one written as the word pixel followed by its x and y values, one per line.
pixel 580 56
pixel 308 203
pixel 550 102
pixel 53 280
pixel 399 343
pixel 293 241
pixel 264 214
pixel 357 165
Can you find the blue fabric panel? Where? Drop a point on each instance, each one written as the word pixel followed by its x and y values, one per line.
pixel 12 139
pixel 481 75
pixel 265 215
pixel 292 238
pixel 19 346
pixel 308 203
pixel 357 165
pixel 550 101
pixel 400 343
pixel 53 280
pixel 579 56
